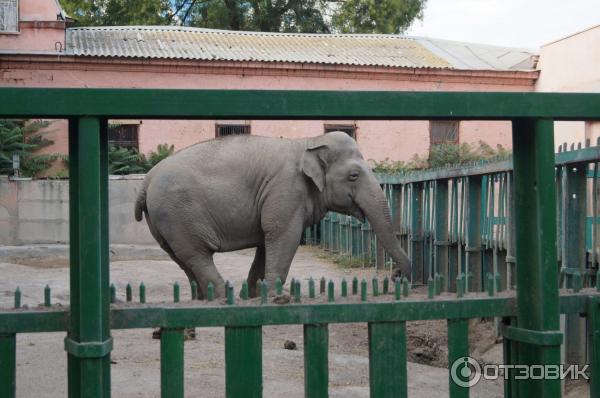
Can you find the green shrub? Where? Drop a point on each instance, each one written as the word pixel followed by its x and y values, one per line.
pixel 24 138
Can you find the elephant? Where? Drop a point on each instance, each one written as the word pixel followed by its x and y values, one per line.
pixel 244 191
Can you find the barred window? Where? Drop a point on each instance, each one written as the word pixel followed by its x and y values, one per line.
pixel 223 130
pixel 443 131
pixel 123 135
pixel 349 129
pixel 9 16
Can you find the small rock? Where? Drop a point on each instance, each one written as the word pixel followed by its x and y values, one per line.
pixel 289 345
pixel 283 299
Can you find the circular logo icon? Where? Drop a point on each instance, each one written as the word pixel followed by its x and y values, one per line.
pixel 465 372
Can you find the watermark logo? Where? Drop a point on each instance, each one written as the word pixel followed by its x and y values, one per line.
pixel 466 372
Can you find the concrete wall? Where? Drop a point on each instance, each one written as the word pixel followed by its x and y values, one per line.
pixel 38 212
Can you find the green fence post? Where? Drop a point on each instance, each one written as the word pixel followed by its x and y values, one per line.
pixel 593 329
pixel 458 349
pixel 171 363
pixel 440 259
pixel 243 362
pixel 316 362
pixel 88 340
pixel 8 367
pixel 537 273
pixel 575 208
pixel 416 233
pixel 387 359
pixel 473 235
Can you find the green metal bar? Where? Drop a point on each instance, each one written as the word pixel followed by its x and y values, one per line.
pixel 416 233
pixel 316 362
pixel 89 376
pixel 8 365
pixel 281 104
pixel 441 239
pixel 593 329
pixel 171 363
pixel 473 234
pixel 575 255
pixel 387 359
pixel 537 276
pixel 243 362
pixel 458 348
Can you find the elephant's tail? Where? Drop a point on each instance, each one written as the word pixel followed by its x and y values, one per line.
pixel 140 202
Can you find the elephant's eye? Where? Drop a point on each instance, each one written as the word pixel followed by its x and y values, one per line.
pixel 353 176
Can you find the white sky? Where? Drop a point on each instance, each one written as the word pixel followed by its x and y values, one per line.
pixel 513 23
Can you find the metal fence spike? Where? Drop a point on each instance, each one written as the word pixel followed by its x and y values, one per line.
pixel 330 292
pixel 430 287
pixel 405 287
pixel 278 287
pixel 375 283
pixel 142 293
pixel 18 298
pixel 230 297
pixel 363 290
pixel 386 285
pixel 322 286
pixel 47 296
pixel 194 289
pixel 344 288
pixel 297 291
pixel 354 286
pixel 244 290
pixel 311 287
pixel 128 292
pixel 264 291
pixel 210 292
pixel 113 293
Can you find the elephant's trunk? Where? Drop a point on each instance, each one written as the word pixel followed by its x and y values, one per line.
pixel 374 205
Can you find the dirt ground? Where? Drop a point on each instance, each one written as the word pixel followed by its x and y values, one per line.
pixel 41 360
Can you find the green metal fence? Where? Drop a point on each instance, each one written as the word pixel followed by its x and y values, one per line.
pixel 530 317
pixel 461 219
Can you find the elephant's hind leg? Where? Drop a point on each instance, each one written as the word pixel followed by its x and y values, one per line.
pixel 257 270
pixel 203 269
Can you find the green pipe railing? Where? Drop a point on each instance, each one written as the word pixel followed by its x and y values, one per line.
pixel 530 318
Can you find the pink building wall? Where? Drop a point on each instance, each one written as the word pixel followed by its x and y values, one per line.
pixel 378 140
pixel 39 28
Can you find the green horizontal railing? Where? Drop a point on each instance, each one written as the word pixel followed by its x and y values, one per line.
pixel 280 104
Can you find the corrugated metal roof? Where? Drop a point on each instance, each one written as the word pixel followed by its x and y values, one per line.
pixel 172 42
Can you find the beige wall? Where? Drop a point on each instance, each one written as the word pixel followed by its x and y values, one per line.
pixel 572 64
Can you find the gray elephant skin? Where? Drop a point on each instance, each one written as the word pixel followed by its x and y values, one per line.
pixel 241 192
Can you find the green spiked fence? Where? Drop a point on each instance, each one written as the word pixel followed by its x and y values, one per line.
pixel 530 318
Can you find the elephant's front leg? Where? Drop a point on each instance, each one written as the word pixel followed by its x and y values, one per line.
pixel 280 247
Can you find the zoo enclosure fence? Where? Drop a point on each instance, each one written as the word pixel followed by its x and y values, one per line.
pixel 530 315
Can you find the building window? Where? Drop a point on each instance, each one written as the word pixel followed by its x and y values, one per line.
pixel 224 130
pixel 123 135
pixel 9 16
pixel 349 129
pixel 443 131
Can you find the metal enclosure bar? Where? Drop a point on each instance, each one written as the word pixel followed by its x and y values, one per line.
pixel 88 341
pixel 316 361
pixel 537 274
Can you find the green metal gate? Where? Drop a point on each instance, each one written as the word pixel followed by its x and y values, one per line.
pixel 531 319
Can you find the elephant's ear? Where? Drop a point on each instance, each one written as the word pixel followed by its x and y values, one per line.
pixel 313 165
